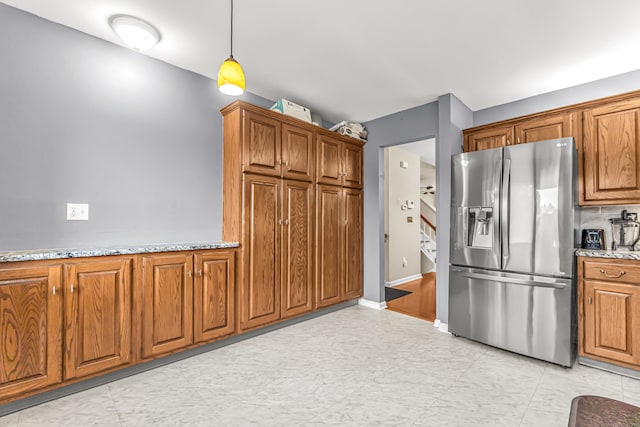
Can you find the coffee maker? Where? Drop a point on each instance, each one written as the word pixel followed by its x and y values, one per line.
pixel 593 238
pixel 625 231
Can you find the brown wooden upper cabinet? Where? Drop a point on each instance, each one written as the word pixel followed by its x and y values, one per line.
pixel 98 316
pixel 31 321
pixel 186 298
pixel 273 148
pixel 545 127
pixel 611 153
pixel 494 137
pixel 521 131
pixel 338 162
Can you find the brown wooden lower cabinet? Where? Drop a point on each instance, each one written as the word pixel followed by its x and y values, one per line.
pixel 187 298
pixel 31 328
pixel 260 289
pixel 71 320
pixel 339 245
pixel 213 295
pixel 97 316
pixel 167 303
pixel 609 310
pixel 297 248
pixel 278 253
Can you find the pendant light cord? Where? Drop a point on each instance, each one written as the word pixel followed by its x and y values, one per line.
pixel 232 28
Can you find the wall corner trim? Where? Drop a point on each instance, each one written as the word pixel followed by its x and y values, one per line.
pixel 372 304
pixel 442 327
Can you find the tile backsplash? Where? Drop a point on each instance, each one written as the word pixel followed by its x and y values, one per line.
pixel 598 217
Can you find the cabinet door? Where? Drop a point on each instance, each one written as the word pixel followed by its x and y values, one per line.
pixel 213 295
pixel 297 248
pixel 260 292
pixel 328 159
pixel 297 153
pixel 261 145
pixel 543 128
pixel 98 316
pixel 167 318
pixel 352 165
pixel 489 138
pixel 612 321
pixel 31 329
pixel 352 243
pixel 329 265
pixel 611 153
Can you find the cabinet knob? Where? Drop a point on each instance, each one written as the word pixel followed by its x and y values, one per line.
pixel 611 276
pixel 53 290
pixel 286 221
pixel 590 300
pixel 280 221
pixel 71 288
pixel 200 272
pixel 190 273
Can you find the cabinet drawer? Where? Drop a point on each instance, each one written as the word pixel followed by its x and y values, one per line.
pixel 614 271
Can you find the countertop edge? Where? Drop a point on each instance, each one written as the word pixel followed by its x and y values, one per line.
pixel 597 253
pixel 52 254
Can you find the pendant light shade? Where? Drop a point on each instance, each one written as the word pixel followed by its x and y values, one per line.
pixel 230 75
pixel 231 78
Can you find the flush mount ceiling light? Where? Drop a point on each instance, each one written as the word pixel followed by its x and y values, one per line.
pixel 134 32
pixel 230 75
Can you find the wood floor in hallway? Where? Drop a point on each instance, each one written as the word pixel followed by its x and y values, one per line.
pixel 421 302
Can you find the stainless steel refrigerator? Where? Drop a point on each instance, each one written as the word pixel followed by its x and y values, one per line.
pixel 513 222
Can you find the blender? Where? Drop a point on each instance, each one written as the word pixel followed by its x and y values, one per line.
pixel 625 231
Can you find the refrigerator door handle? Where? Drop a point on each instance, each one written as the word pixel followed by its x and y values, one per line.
pixel 504 214
pixel 514 281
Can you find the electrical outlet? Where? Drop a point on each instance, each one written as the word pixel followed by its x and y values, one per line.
pixel 77 212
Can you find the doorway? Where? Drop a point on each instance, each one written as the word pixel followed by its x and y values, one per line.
pixel 410 228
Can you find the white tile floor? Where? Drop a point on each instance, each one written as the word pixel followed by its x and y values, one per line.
pixel 354 367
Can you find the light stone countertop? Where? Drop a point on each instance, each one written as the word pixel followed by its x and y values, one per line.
pixel 42 254
pixel 595 253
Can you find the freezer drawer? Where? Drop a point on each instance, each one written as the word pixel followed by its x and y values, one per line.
pixel 530 315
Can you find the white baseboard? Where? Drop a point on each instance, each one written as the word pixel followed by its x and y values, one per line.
pixel 403 280
pixel 372 304
pixel 442 327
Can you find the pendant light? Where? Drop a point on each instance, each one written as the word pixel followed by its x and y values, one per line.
pixel 230 75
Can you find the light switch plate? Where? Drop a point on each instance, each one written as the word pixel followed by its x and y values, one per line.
pixel 77 212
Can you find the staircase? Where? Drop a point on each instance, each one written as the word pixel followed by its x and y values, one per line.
pixel 428 239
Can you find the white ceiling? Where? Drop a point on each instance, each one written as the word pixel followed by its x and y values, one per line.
pixel 362 59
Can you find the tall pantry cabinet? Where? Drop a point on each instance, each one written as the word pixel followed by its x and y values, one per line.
pixel 271 205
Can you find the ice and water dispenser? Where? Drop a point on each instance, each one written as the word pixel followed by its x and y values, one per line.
pixel 480 227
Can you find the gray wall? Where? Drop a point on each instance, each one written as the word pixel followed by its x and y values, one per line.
pixel 586 92
pixel 83 120
pixel 453 117
pixel 446 118
pixel 406 126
